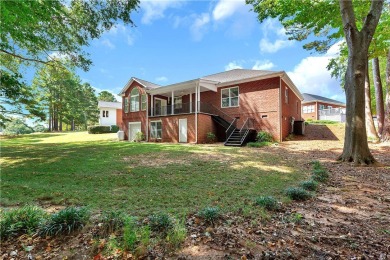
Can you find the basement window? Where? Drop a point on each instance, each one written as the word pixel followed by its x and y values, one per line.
pixel 264 116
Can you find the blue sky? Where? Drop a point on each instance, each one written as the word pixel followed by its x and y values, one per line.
pixel 175 41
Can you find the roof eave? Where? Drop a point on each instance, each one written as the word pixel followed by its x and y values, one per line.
pixel 228 83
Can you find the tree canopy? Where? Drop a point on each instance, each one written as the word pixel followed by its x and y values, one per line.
pixel 106 96
pixel 35 32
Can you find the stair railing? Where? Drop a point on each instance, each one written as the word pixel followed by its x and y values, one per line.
pixel 248 124
pixel 229 131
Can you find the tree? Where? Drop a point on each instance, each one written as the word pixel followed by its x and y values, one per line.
pixel 370 127
pixel 17 126
pixel 331 21
pixel 106 96
pixel 33 32
pixel 380 110
pixel 386 125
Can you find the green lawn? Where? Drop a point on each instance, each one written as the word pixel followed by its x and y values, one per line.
pixel 141 178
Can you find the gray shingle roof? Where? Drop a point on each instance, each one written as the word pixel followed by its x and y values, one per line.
pixel 238 74
pixel 147 84
pixel 310 98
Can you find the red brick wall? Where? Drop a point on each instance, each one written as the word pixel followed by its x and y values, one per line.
pixel 119 121
pixel 205 125
pixel 170 128
pixel 139 116
pixel 258 100
pixel 291 108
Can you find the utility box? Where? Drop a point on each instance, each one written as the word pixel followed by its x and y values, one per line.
pixel 299 127
pixel 121 135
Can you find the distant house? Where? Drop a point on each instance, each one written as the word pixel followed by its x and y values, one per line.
pixel 230 104
pixel 110 113
pixel 321 108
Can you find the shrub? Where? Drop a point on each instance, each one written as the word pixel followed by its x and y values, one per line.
pixel 298 194
pixel 17 126
pixel 210 214
pixel 114 129
pixel 40 128
pixel 267 202
pixel 20 221
pixel 258 144
pixel 160 222
pixel 112 221
pixel 99 129
pixel 310 185
pixel 211 138
pixel 264 136
pixel 316 165
pixel 320 175
pixel 65 221
pixel 130 233
pixel 139 136
pixel 177 235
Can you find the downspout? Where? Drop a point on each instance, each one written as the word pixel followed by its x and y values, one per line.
pixel 280 110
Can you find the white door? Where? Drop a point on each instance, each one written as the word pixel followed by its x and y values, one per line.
pixel 134 128
pixel 183 130
pixel 160 107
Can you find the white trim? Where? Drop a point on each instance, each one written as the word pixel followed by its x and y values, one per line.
pixel 291 84
pixel 172 103
pixel 238 87
pixel 190 102
pixel 196 115
pixel 133 123
pixel 147 118
pixel 280 110
pixel 131 96
pixel 326 102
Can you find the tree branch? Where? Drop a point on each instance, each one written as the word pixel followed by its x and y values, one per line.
pixel 348 18
pixel 372 18
pixel 24 58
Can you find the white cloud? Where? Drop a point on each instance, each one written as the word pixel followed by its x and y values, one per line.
pixel 263 65
pixel 233 65
pixel 198 28
pixel 271 28
pixel 226 8
pixel 106 42
pixel 311 76
pixel 57 55
pixel 162 79
pixel 154 10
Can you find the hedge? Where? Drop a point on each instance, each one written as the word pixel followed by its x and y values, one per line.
pixel 100 129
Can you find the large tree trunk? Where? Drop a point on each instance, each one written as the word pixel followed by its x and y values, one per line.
pixel 386 126
pixel 380 110
pixel 355 143
pixel 370 127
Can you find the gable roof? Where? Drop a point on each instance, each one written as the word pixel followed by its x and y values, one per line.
pixel 105 104
pixel 313 98
pixel 146 84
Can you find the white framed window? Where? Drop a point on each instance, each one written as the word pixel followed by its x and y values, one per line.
pixel 143 101
pixel 286 95
pixel 126 105
pixel 134 100
pixel 230 97
pixel 178 102
pixel 322 107
pixel 156 129
pixel 308 109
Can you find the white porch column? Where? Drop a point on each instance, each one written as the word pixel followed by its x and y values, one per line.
pixel 173 103
pixel 198 93
pixel 190 102
pixel 151 106
pixel 147 117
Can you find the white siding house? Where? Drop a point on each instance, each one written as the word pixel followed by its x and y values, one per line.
pixel 108 112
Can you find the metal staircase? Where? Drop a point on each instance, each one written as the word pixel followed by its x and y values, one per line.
pixel 239 137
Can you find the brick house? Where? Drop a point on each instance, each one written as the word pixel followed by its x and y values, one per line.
pixel 231 104
pixel 321 108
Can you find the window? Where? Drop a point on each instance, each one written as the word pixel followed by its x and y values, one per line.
pixel 230 97
pixel 143 101
pixel 155 129
pixel 126 105
pixel 105 113
pixel 286 95
pixel 134 100
pixel 308 109
pixel 329 107
pixel 322 107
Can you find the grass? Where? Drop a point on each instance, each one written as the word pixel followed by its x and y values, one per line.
pixel 141 178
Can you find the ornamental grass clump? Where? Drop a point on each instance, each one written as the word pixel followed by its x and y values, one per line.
pixel 20 221
pixel 267 202
pixel 320 175
pixel 65 221
pixel 161 223
pixel 112 221
pixel 310 185
pixel 298 194
pixel 210 214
